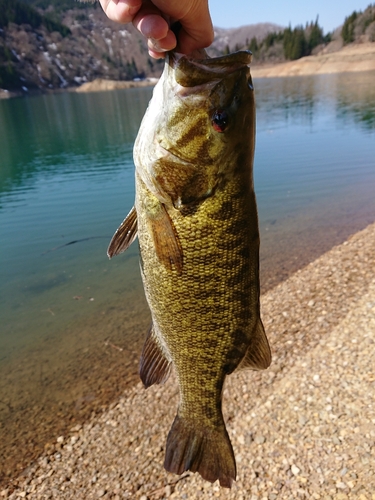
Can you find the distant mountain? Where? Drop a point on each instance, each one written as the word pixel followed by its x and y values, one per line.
pixel 240 37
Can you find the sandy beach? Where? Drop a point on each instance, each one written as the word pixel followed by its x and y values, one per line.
pixel 305 428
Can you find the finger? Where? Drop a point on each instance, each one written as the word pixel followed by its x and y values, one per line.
pixel 122 11
pixel 190 41
pixel 158 48
pixel 194 16
pixel 154 25
pixel 151 25
pixel 155 54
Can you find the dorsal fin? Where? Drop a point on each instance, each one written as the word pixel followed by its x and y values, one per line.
pixel 124 235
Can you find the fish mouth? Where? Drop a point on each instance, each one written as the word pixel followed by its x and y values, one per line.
pixel 190 71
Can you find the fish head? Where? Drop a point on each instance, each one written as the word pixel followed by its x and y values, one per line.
pixel 199 125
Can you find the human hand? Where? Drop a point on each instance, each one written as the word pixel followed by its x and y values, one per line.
pixel 153 20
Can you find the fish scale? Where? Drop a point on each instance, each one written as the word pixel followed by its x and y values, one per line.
pixel 196 220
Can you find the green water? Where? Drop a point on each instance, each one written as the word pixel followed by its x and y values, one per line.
pixel 73 322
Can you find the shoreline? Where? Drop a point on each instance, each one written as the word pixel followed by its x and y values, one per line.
pixel 351 58
pixel 355 57
pixel 91 380
pixel 98 85
pixel 306 421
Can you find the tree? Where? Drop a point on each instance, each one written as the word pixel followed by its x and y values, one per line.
pixel 226 50
pixel 294 43
pixel 316 36
pixel 60 5
pixel 271 38
pixel 253 45
pixel 12 11
pixel 347 31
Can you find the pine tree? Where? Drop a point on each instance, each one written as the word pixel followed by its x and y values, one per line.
pixel 294 42
pixel 316 36
pixel 347 31
pixel 253 45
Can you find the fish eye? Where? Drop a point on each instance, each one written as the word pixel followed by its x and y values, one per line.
pixel 220 120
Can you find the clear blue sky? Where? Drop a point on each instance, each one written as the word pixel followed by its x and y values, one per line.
pixel 234 13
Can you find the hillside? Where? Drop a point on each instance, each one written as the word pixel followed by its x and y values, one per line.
pixel 93 47
pixel 240 37
pixel 291 44
pixel 60 47
pixel 56 44
pixel 351 58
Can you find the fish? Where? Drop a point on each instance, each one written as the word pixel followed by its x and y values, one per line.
pixel 196 219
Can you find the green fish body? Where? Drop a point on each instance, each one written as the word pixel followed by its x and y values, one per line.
pixel 196 219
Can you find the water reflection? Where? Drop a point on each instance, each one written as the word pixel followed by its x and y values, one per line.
pixel 356 100
pixel 290 100
pixel 40 132
pixel 298 99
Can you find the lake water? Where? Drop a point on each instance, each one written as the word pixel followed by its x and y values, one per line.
pixel 73 322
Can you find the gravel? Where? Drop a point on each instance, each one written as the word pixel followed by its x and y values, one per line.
pixel 305 428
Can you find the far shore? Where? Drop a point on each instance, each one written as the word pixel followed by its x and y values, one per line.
pixel 101 84
pixel 351 58
pixel 98 85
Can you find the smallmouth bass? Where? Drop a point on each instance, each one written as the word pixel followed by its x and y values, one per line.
pixel 196 219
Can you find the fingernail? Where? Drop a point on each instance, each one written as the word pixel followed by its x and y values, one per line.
pixel 155 45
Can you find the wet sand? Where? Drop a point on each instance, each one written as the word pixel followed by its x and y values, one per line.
pixel 305 428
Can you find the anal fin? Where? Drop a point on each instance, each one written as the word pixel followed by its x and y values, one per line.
pixel 154 367
pixel 124 236
pixel 258 355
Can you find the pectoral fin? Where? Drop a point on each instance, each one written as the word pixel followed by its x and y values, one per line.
pixel 258 355
pixel 166 241
pixel 124 236
pixel 154 367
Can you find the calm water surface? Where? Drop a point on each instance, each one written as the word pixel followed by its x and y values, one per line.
pixel 73 322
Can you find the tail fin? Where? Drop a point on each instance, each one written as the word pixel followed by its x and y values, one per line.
pixel 207 451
